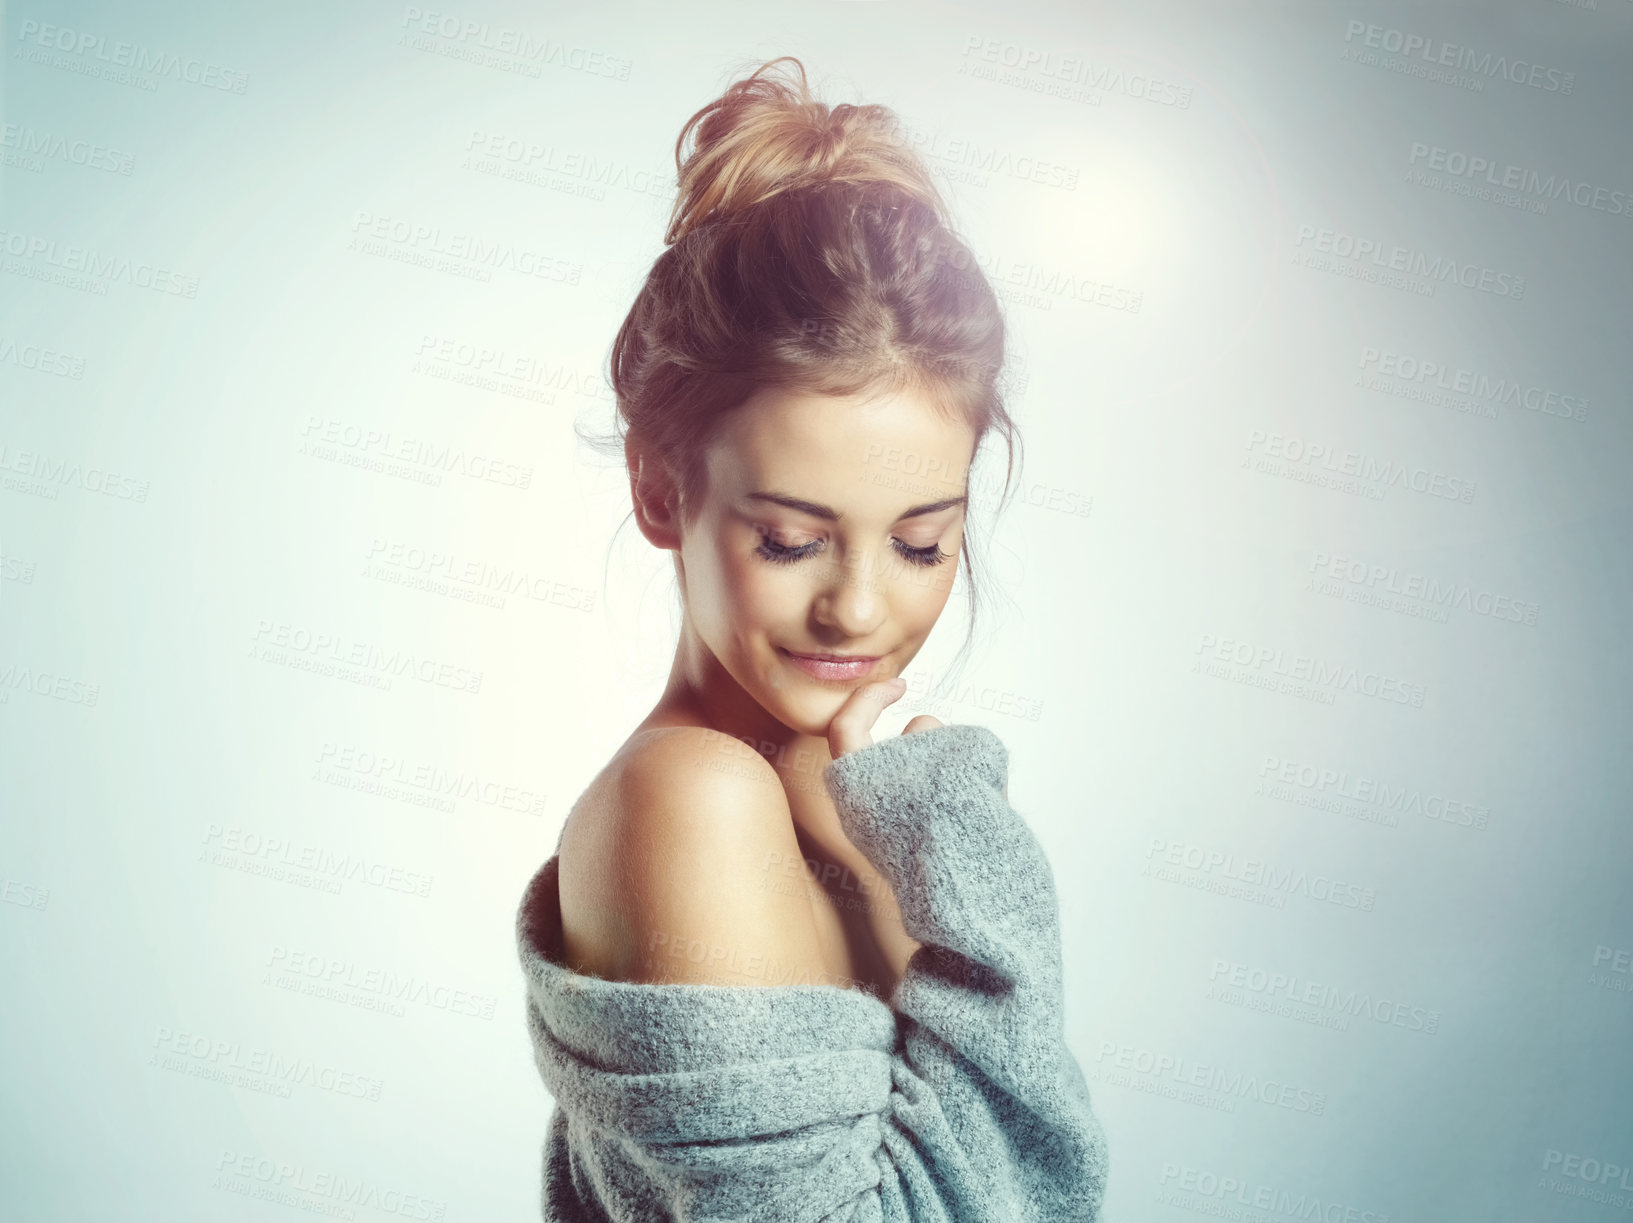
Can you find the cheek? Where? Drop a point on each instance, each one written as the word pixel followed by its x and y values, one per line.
pixel 921 599
pixel 749 598
pixel 919 594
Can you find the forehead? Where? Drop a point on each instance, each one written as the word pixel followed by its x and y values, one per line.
pixel 866 451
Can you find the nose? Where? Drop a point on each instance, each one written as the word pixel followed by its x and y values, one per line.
pixel 852 597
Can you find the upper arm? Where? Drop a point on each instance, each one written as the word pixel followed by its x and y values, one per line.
pixel 702 843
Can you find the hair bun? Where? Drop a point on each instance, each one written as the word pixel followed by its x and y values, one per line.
pixel 766 135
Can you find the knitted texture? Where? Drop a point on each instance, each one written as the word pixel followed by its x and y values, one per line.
pixel 957 1101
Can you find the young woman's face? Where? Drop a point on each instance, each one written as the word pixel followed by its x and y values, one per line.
pixel 831 526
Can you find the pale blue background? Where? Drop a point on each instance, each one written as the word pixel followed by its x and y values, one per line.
pixel 120 928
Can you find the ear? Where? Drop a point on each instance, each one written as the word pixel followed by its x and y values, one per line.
pixel 656 498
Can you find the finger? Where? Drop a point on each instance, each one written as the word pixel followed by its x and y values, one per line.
pixel 851 728
pixel 922 722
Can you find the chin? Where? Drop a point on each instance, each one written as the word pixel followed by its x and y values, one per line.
pixel 807 705
pixel 806 712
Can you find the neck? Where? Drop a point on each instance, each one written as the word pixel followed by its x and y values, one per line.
pixel 703 693
pixel 700 692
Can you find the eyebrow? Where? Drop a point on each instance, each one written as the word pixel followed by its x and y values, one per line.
pixel 832 515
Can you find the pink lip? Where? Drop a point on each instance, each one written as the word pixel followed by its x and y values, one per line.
pixel 832 666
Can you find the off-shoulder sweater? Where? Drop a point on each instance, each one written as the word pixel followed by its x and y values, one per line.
pixel 957 1101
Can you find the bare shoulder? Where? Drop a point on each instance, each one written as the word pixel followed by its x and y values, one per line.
pixel 690 758
pixel 677 871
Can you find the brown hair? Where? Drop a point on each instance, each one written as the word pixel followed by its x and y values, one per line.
pixel 809 249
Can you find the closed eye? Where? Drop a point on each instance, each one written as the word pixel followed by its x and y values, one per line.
pixel 780 554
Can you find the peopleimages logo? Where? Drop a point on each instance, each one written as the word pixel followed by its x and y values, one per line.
pixel 1115 1056
pixel 1377 583
pixel 381 235
pixel 259 1061
pixel 1195 1188
pixel 1232 975
pixel 41 360
pixel 342 974
pixel 247 849
pixel 1619 977
pixel 465 785
pixel 48 145
pixel 478 37
pixel 1386 473
pixel 1254 872
pixel 1520 178
pixel 1586 1168
pixel 1393 800
pixel 54 471
pixel 973 155
pixel 1072 70
pixel 329 653
pixel 93 269
pixel 134 56
pixel 1467 59
pixel 300 1187
pixel 1318 671
pixel 521 157
pixel 1394 369
pixel 1410 262
pixel 15 678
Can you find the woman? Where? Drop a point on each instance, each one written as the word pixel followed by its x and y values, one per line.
pixel 776 970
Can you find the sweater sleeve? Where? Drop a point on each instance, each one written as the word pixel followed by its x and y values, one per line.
pixel 989 1117
pixel 957 1103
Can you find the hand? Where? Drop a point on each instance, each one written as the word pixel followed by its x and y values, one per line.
pixel 851 728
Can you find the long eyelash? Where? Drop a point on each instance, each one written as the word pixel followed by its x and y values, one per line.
pixel 933 555
pixel 779 554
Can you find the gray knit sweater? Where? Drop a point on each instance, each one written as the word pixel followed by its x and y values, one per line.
pixel 958 1101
